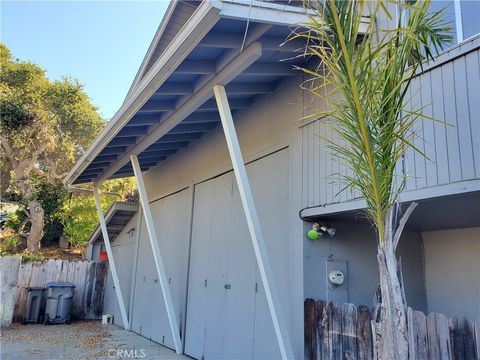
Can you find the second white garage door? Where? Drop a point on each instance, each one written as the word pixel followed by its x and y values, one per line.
pixel 227 313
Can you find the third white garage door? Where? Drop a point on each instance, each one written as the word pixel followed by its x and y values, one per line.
pixel 227 312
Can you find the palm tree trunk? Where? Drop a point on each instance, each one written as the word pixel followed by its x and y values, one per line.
pixel 391 326
pixel 37 215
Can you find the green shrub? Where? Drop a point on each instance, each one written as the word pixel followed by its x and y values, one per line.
pixel 9 244
pixel 28 256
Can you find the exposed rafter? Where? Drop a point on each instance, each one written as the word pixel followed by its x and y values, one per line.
pixel 180 137
pixel 114 150
pixel 192 128
pixel 174 89
pixel 202 117
pixel 104 158
pixel 210 105
pixel 150 153
pixel 132 131
pixel 150 157
pixel 250 88
pixel 122 141
pixel 157 105
pixel 273 69
pixel 234 41
pixel 197 67
pixel 98 165
pixel 167 146
pixel 145 119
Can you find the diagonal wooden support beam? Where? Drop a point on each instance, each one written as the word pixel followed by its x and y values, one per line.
pixel 254 227
pixel 111 260
pixel 157 255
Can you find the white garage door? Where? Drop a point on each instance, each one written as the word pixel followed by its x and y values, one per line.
pixel 227 313
pixel 149 313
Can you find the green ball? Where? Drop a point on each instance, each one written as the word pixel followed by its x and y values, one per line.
pixel 313 234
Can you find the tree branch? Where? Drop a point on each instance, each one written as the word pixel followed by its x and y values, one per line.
pixel 38 171
pixel 7 148
pixel 402 222
pixel 22 226
pixel 52 170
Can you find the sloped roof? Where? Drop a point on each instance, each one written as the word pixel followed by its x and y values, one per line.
pixel 236 43
pixel 177 14
pixel 116 218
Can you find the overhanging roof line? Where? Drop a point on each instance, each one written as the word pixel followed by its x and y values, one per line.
pixel 224 76
pixel 111 214
pixel 186 45
pixel 195 29
pixel 153 45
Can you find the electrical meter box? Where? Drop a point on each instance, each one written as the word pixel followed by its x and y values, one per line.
pixel 336 280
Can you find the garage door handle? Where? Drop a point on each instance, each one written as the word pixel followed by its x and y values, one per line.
pixel 228 286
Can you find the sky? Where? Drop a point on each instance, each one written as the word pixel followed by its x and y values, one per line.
pixel 100 43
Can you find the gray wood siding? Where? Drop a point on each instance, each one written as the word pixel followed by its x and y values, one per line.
pixel 449 91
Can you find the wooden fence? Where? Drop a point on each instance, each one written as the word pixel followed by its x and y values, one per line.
pixel 335 331
pixel 89 278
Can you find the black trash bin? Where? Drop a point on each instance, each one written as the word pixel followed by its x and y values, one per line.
pixel 35 305
pixel 58 308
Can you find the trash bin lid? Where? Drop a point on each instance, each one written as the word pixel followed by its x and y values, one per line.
pixel 60 284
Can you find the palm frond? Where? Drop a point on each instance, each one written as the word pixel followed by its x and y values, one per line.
pixel 372 73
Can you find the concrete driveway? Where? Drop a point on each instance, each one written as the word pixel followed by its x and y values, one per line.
pixel 78 341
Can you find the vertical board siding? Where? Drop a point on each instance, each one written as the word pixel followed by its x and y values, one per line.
pixel 449 93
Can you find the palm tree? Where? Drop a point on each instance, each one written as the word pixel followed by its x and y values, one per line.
pixel 372 72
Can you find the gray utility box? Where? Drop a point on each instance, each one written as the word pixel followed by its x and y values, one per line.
pixel 58 308
pixel 35 305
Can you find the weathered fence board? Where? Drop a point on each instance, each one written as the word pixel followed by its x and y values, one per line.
pixel 322 330
pixel 439 345
pixel 335 331
pixel 310 324
pixel 417 335
pixel 348 331
pixel 461 333
pixel 364 333
pixel 88 276
pixel 8 281
pixel 344 332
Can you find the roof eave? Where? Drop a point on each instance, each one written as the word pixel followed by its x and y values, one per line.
pixel 114 207
pixel 205 17
pixel 151 49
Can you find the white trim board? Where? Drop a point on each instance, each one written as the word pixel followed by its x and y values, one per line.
pixel 416 195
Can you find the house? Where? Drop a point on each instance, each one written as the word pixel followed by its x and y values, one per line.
pixel 216 263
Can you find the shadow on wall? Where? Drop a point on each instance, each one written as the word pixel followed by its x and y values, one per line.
pixel 354 248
